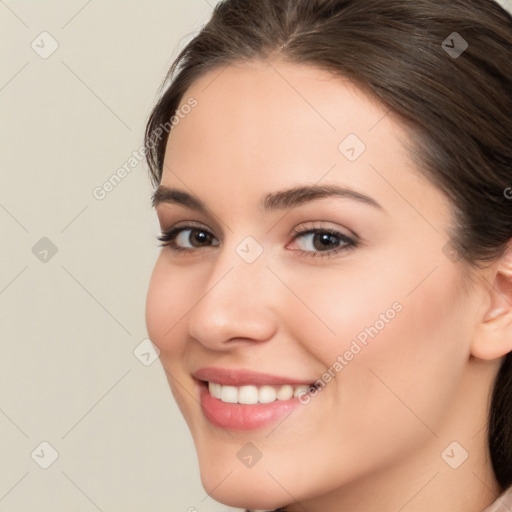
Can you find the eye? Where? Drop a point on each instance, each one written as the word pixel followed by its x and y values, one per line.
pixel 316 241
pixel 178 238
pixel 323 242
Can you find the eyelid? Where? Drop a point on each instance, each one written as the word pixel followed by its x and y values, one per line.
pixel 191 224
pixel 323 225
pixel 168 220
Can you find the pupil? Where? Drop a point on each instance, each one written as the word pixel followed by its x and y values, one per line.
pixel 325 239
pixel 201 237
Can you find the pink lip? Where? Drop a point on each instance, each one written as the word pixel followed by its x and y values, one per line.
pixel 233 377
pixel 242 416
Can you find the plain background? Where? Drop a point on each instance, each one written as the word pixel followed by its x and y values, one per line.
pixel 69 324
pixel 74 270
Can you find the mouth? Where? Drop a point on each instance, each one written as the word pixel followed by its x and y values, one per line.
pixel 252 394
pixel 246 400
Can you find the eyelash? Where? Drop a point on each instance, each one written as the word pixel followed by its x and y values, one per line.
pixel 167 239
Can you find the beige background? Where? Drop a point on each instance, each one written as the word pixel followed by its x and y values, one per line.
pixel 69 325
pixel 71 321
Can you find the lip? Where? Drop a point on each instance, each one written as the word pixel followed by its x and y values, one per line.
pixel 240 377
pixel 243 416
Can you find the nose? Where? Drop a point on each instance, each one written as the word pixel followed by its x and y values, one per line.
pixel 236 305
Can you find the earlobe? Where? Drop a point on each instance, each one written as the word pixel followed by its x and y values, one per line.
pixel 493 338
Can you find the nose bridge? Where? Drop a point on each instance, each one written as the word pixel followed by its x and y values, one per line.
pixel 236 300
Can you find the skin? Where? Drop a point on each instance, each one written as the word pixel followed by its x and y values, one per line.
pixel 372 439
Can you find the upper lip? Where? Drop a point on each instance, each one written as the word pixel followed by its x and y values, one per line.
pixel 240 377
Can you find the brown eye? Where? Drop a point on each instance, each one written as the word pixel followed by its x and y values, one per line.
pixel 323 242
pixel 196 237
pixel 186 238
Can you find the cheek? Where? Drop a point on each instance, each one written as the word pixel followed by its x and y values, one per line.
pixel 166 304
pixel 389 306
pixel 407 376
pixel 341 310
pixel 397 350
pixel 156 300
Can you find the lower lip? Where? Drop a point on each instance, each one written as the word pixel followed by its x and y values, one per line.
pixel 242 416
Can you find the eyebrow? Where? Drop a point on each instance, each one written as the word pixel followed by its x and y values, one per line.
pixel 281 200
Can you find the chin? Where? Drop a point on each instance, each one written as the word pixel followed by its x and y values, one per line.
pixel 243 488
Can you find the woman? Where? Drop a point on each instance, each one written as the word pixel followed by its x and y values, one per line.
pixel 333 300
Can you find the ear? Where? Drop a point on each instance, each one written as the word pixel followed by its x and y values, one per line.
pixel 494 337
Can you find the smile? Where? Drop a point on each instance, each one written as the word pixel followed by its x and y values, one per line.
pixel 239 399
pixel 251 394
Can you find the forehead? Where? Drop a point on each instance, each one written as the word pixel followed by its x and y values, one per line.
pixel 288 106
pixel 268 125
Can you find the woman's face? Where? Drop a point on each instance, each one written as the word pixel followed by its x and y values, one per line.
pixel 357 290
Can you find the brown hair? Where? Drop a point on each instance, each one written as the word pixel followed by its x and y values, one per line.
pixel 458 106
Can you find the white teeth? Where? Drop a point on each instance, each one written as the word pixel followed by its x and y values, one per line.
pixel 267 395
pixel 229 394
pixel 215 389
pixel 285 392
pixel 300 390
pixel 247 395
pixel 252 394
